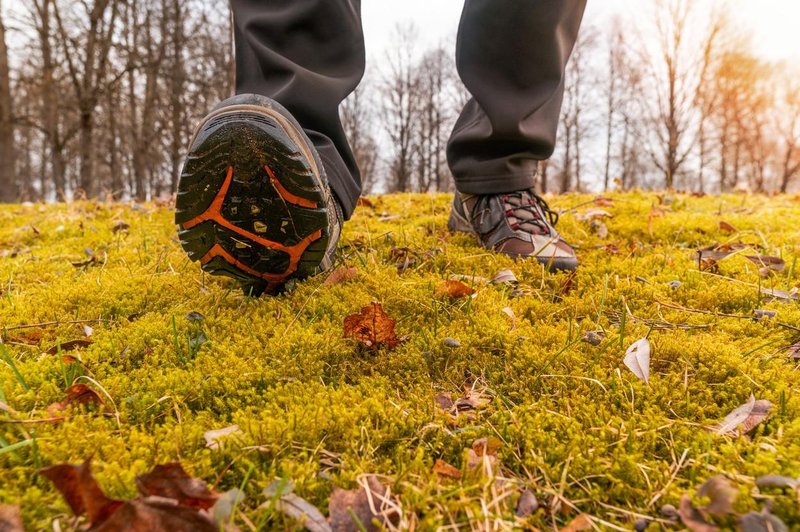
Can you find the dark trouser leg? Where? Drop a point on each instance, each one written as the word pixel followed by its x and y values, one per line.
pixel 511 56
pixel 308 55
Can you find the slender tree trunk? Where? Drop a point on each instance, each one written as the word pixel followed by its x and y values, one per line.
pixel 8 185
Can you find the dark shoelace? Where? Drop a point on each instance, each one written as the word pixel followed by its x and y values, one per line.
pixel 544 218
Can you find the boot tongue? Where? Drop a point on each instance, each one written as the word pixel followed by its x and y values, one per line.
pixel 524 213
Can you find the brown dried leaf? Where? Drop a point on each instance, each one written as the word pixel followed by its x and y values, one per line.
pixel 77 394
pixel 341 275
pixel 81 491
pixel 172 482
pixel 364 202
pixel 747 417
pixel 372 327
pixel 727 228
pixel 10 519
pixel 303 512
pixel 368 508
pixel 453 290
pixel 527 504
pixel 69 346
pixel 120 226
pixel 721 494
pixel 601 201
pixel 692 518
pixel 155 514
pixel 445 470
pixel 444 401
pixel 761 522
pixel 582 522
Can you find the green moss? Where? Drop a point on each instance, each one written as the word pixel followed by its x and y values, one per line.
pixel 315 409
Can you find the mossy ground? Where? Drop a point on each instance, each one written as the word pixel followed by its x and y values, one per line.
pixel 576 426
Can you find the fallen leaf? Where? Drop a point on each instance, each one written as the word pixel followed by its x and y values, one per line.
pixel 69 346
pixel 692 518
pixel 452 343
pixel 120 226
pixel 527 504
pixel 155 514
pixel 582 522
pixel 302 511
pixel 594 338
pixel 445 470
pixel 781 295
pixel 637 359
pixel 172 482
pixel 453 290
pixel 761 314
pixel 364 202
pixel 721 494
pixel 341 275
pixel 747 416
pixel 444 401
pixel 594 214
pixel 81 491
pixel 761 522
pixel 372 327
pixel 472 400
pixel 777 481
pixel 77 394
pixel 213 437
pixel 483 449
pixel 370 507
pixel 505 277
pixel 88 331
pixel 600 229
pixel 508 311
pixel 775 264
pixel 227 502
pixel 10 519
pixel 601 201
pixel 195 317
pixel 726 227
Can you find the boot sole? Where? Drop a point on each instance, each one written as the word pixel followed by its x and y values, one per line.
pixel 253 202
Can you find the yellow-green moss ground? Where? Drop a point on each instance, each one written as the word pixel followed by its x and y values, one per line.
pixel 313 408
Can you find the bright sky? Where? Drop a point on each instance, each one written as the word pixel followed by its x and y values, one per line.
pixel 774 22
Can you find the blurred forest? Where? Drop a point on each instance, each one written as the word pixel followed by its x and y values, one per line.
pixel 99 98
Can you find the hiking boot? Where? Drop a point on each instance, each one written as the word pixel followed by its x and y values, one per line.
pixel 518 224
pixel 253 200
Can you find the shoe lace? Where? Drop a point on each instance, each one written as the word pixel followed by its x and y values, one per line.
pixel 526 201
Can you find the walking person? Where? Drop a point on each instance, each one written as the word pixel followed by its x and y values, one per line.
pixel 270 177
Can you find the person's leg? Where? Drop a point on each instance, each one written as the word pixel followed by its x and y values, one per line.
pixel 308 55
pixel 511 55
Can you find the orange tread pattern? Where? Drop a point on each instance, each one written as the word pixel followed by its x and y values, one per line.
pixel 214 214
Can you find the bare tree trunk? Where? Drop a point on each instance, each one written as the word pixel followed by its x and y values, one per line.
pixel 8 185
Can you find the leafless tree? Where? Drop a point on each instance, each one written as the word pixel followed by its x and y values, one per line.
pixel 357 120
pixel 8 185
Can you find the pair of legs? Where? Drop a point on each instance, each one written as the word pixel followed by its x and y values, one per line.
pixel 270 176
pixel 308 55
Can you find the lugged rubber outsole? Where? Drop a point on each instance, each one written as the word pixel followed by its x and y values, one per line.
pixel 251 203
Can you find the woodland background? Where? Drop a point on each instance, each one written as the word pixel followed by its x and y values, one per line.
pixel 98 98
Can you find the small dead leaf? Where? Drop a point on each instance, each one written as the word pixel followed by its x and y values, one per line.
pixel 600 229
pixel 452 343
pixel 721 494
pixel 582 522
pixel 637 359
pixel 213 437
pixel 594 338
pixel 77 394
pixel 370 508
pixel 527 504
pixel 302 511
pixel 505 277
pixel 692 518
pixel 120 226
pixel 88 331
pixel 484 448
pixel 372 327
pixel 155 514
pixel 444 401
pixel 472 400
pixel 172 482
pixel 601 201
pixel 364 202
pixel 761 522
pixel 508 311
pixel 777 481
pixel 762 314
pixel 69 346
pixel 594 214
pixel 746 417
pixel 81 491
pixel 453 290
pixel 445 470
pixel 341 275
pixel 10 519
pixel 727 228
